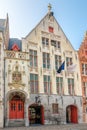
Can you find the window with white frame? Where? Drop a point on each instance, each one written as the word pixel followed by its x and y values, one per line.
pixel 71 86
pixel 56 44
pixel 45 41
pixel 84 69
pixel 33 83
pixel 47 84
pixel 85 88
pixel 59 85
pixel 68 61
pixel 33 58
pixel 57 61
pixel 46 60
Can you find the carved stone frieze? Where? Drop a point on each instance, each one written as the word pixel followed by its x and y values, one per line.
pixel 33 69
pixel 68 53
pixel 45 34
pixel 32 44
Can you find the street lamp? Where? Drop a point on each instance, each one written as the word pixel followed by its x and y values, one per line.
pixel 38 100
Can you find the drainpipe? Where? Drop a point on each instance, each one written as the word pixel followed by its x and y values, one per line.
pixel 4 94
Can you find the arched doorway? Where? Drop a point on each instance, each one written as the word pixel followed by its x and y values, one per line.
pixel 36 114
pixel 71 114
pixel 16 107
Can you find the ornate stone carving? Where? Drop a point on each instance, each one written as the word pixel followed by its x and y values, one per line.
pixel 9 69
pixel 16 76
pixel 16 85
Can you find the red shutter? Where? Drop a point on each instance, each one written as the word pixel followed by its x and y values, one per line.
pixel 51 29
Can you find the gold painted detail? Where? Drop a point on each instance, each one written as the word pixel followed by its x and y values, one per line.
pixel 16 85
pixel 17 75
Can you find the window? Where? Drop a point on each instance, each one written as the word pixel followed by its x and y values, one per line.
pixel 59 85
pixel 45 41
pixel 51 29
pixel 85 52
pixel 47 84
pixel 56 44
pixel 57 61
pixel 46 60
pixel 71 86
pixel 33 58
pixel 84 69
pixel 55 108
pixel 68 61
pixel 85 88
pixel 33 83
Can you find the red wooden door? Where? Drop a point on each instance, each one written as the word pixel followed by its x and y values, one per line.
pixel 20 110
pixel 12 109
pixel 42 115
pixel 74 114
pixel 16 109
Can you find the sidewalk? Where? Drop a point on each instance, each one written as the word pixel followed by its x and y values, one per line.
pixel 50 127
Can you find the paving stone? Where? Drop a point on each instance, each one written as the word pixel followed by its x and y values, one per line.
pixel 50 127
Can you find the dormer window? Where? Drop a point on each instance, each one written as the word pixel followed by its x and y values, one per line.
pixel 51 29
pixel 15 47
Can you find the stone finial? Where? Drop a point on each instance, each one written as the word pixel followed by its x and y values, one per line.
pixel 49 7
pixel 7 17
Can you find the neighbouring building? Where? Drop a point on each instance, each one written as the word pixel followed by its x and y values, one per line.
pixel 31 90
pixel 83 69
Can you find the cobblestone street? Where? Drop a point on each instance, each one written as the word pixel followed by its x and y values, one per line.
pixel 50 127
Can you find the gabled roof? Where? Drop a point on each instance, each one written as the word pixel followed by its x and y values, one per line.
pixel 56 22
pixel 84 41
pixel 15 47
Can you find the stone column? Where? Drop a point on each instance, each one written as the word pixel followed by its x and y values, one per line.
pixel 6 113
pixel 26 113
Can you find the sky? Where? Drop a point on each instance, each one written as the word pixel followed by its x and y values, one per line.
pixel 24 15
